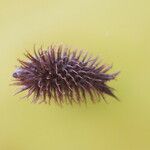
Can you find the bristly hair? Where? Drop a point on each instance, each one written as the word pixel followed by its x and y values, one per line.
pixel 64 76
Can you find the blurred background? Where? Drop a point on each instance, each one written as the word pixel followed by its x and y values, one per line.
pixel 116 30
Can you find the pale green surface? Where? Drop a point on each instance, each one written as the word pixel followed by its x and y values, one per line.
pixel 116 30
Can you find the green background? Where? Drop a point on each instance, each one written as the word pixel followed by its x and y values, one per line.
pixel 116 30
